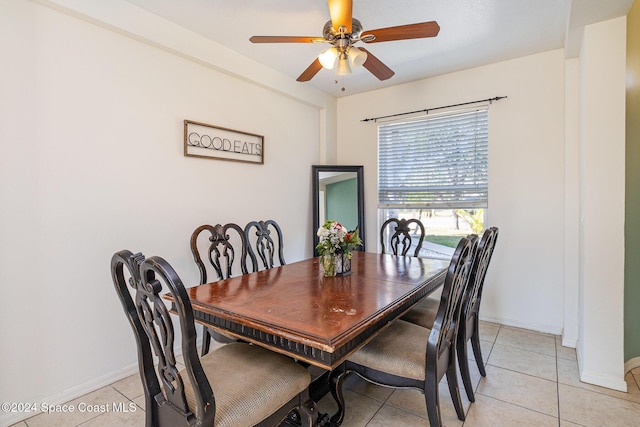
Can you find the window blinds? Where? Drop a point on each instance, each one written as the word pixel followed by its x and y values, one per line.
pixel 440 162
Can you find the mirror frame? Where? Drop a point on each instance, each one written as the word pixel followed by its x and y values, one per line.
pixel 315 171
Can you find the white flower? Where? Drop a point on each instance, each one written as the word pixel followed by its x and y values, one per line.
pixel 332 236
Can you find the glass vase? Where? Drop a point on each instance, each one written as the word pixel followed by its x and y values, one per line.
pixel 329 265
pixel 337 264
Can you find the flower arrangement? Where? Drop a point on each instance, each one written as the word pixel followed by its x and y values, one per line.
pixel 335 245
pixel 335 238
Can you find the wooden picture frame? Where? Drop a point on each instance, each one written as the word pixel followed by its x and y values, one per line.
pixel 213 142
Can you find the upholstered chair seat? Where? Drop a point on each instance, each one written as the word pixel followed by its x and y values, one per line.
pixel 245 377
pixel 424 313
pixel 398 350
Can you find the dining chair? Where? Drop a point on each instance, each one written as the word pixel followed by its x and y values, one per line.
pixel 264 244
pixel 220 252
pixel 400 239
pixel 238 384
pixel 424 313
pixel 406 355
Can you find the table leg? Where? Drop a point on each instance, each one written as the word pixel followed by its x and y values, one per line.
pixel 337 378
pixel 320 386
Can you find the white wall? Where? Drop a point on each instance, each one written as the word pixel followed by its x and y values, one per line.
pixel 92 162
pixel 602 203
pixel 526 174
pixel 571 203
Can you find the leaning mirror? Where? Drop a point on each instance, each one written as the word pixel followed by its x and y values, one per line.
pixel 338 194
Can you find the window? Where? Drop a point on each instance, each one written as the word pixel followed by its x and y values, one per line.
pixel 436 170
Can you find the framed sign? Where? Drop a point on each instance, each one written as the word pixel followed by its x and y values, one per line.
pixel 212 142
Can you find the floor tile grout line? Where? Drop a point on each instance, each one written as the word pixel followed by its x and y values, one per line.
pixel 516 405
pixel 90 419
pixel 401 410
pixel 369 396
pixel 99 415
pixel 485 361
pixel 599 392
pixel 522 373
pixel 122 394
pixel 559 383
pixel 375 413
pixel 529 350
pixel 529 331
pixel 525 349
pixel 533 376
pixel 86 421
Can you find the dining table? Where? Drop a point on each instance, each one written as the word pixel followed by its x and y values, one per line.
pixel 295 310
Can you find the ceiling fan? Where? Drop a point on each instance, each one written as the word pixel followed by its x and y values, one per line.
pixel 342 32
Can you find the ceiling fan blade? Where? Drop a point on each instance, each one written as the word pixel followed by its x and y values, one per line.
pixel 311 71
pixel 341 13
pixel 285 39
pixel 376 67
pixel 403 32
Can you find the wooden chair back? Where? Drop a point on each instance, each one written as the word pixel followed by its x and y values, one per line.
pixel 396 236
pixel 219 251
pixel 479 271
pixel 264 245
pixel 445 325
pixel 164 387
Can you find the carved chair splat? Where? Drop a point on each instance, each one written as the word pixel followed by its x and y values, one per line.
pixel 264 244
pixel 401 240
pixel 220 255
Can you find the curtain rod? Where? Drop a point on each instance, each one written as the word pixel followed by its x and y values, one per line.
pixel 426 110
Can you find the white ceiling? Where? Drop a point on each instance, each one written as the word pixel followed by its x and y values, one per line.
pixel 473 32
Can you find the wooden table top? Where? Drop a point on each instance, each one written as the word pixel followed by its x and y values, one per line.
pixel 294 310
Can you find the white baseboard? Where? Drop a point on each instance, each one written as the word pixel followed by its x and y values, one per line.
pixel 631 364
pixel 566 342
pixel 10 418
pixel 524 325
pixel 603 380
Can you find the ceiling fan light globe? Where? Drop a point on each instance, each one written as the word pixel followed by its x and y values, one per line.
pixel 343 66
pixel 357 56
pixel 328 58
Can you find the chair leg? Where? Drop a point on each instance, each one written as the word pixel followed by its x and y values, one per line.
pixel 452 382
pixel 475 344
pixel 206 340
pixel 463 363
pixel 432 399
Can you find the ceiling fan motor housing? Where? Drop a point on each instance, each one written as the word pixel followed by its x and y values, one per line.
pixel 332 34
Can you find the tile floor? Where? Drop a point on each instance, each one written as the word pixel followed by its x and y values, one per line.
pixel 531 381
